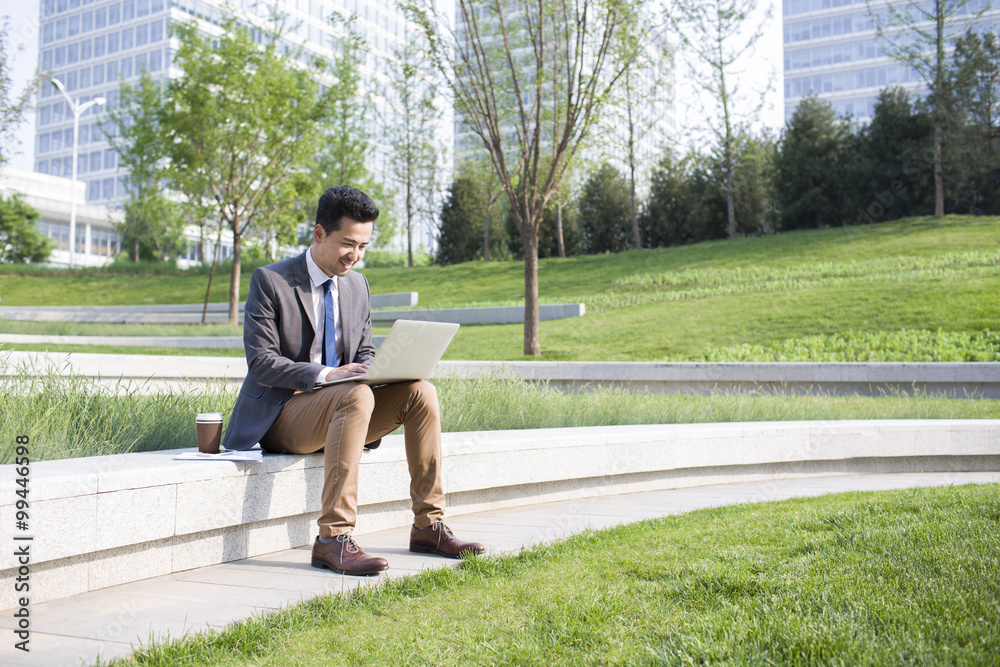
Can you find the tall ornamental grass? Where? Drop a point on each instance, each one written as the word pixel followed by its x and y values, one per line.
pixel 69 416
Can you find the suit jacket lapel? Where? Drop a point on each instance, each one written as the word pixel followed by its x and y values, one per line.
pixel 303 289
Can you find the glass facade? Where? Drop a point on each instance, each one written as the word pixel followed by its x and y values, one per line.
pixel 94 45
pixel 831 47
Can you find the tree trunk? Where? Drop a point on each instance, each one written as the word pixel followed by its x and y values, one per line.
pixel 135 249
pixel 409 223
pixel 532 341
pixel 938 168
pixel 486 235
pixel 559 231
pixel 211 271
pixel 234 281
pixel 730 206
pixel 635 211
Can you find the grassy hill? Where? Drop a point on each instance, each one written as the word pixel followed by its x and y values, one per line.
pixel 680 303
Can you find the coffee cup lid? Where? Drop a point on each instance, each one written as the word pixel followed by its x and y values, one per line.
pixel 209 417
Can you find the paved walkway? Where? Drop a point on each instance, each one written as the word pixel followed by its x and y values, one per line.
pixel 109 622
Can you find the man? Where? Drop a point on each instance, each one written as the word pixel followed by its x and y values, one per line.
pixel 308 320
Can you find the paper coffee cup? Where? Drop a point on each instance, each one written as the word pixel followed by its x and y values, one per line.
pixel 209 426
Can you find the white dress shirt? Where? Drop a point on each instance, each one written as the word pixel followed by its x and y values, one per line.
pixel 317 277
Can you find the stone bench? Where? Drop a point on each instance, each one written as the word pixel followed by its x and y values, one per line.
pixel 102 521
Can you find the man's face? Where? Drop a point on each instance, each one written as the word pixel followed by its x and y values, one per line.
pixel 338 251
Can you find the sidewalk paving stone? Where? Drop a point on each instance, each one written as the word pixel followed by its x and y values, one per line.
pixel 110 622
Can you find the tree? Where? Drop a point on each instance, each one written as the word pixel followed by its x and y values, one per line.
pixel 529 80
pixel 810 167
pixel 13 105
pixel 892 178
pixel 463 217
pixel 348 138
pixel 241 124
pixel 605 209
pixel 714 33
pixel 975 82
pixel 20 241
pixel 413 130
pixel 919 34
pixel 643 86
pixel 153 225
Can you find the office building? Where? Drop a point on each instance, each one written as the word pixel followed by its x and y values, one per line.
pixel 831 47
pixel 92 45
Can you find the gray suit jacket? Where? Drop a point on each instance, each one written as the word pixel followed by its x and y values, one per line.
pixel 278 330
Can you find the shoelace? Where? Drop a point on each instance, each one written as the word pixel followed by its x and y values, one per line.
pixel 350 547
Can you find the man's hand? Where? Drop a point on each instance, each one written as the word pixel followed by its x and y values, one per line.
pixel 346 371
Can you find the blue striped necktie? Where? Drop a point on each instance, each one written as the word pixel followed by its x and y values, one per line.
pixel 329 327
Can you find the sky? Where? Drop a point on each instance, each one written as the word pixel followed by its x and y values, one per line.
pixel 753 74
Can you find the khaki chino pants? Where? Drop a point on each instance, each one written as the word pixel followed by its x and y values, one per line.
pixel 340 419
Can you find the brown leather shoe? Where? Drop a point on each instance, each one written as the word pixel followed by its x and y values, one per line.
pixel 438 539
pixel 344 556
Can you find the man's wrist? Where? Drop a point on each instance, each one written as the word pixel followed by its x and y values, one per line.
pixel 322 374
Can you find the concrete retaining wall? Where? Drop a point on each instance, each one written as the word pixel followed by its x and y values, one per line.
pixel 107 520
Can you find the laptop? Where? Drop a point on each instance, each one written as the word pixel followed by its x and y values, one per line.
pixel 410 351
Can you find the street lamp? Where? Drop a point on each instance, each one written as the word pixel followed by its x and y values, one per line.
pixel 78 110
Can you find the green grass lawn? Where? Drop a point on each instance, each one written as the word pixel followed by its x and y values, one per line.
pixel 678 303
pixel 887 578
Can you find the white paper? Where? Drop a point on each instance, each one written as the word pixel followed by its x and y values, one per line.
pixel 234 455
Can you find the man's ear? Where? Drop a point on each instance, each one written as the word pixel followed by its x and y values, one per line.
pixel 318 233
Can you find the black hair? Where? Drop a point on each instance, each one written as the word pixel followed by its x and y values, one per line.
pixel 341 201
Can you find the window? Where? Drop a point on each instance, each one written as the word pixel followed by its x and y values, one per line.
pixel 61 5
pixel 81 166
pixel 99 45
pixel 85 78
pixel 42 167
pixel 113 42
pixel 127 68
pixel 100 17
pixel 68 165
pixel 86 22
pixel 112 70
pixel 58 111
pixel 128 35
pixel 47 60
pixel 96 135
pixel 48 7
pixel 60 56
pixel 48 33
pixel 68 137
pixel 74 4
pixel 108 188
pixel 45 115
pixel 142 8
pixel 155 31
pixel 94 190
pixel 74 25
pixel 114 14
pixel 95 160
pixel 72 54
pixel 141 35
pixel 128 10
pixel 86 49
pixel 57 140
pixel 155 61
pixel 55 167
pixel 61 29
pixel 70 81
pixel 43 142
pixel 156 6
pixel 98 74
pixel 109 159
pixel 140 63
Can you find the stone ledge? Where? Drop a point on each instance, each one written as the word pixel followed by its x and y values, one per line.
pixel 106 520
pixel 972 379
